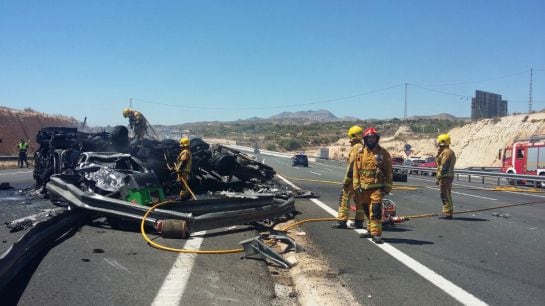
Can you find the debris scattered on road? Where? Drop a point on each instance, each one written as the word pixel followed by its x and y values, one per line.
pixel 5 186
pixel 506 215
pixel 30 221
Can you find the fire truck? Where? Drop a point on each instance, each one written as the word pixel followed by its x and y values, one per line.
pixel 525 157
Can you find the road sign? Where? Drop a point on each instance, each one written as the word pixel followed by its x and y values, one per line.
pixel 407 147
pixel 408 152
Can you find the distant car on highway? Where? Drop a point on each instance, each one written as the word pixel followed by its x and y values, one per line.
pixel 299 159
pixel 397 160
pixel 413 163
pixel 431 164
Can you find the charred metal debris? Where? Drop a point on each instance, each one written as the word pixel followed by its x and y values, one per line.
pixel 96 175
pixel 107 174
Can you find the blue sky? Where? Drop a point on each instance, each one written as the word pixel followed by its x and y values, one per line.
pixel 188 61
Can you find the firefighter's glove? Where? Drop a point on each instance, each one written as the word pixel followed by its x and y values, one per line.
pixel 346 184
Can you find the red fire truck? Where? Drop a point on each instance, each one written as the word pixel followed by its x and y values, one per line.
pixel 525 157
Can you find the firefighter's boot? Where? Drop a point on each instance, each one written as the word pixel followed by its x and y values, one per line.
pixel 358 224
pixel 365 235
pixel 339 224
pixel 377 239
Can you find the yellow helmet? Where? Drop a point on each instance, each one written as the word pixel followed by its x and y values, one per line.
pixel 184 142
pixel 443 140
pixel 355 132
pixel 126 112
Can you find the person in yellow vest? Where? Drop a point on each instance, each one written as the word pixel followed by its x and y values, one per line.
pixel 137 122
pixel 355 135
pixel 22 146
pixel 372 178
pixel 446 159
pixel 183 168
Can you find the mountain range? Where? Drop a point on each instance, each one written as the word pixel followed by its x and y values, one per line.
pixel 322 115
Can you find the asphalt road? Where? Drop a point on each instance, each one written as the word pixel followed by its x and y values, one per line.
pixel 476 258
pixel 100 266
pixel 495 257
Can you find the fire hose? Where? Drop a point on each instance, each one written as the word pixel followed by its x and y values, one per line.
pixel 240 250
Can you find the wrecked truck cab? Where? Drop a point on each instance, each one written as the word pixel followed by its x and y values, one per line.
pixel 118 174
pixel 94 173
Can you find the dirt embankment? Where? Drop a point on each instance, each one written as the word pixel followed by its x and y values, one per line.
pixel 15 124
pixel 475 144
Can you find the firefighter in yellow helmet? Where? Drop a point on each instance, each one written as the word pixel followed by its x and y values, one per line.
pixel 372 178
pixel 183 167
pixel 355 135
pixel 446 159
pixel 137 122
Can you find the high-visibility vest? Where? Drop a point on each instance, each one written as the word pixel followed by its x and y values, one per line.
pixel 22 146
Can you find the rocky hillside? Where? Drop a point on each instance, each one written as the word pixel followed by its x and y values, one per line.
pixel 475 144
pixel 16 124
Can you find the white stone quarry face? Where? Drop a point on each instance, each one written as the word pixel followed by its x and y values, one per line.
pixel 475 144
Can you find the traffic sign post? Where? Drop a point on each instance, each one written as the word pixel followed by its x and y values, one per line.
pixel 408 149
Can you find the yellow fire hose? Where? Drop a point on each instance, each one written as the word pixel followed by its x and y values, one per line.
pixel 187 186
pixel 166 248
pixel 171 168
pixel 240 250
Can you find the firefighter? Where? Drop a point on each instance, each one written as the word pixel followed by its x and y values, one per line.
pixel 446 159
pixel 183 167
pixel 372 178
pixel 22 146
pixel 355 135
pixel 137 122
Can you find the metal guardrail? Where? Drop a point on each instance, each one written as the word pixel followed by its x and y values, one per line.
pixel 34 243
pixel 203 215
pixel 14 158
pixel 499 176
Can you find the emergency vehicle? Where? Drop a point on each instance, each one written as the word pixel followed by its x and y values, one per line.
pixel 525 157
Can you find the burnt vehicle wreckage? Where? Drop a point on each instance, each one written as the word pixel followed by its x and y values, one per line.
pixel 105 174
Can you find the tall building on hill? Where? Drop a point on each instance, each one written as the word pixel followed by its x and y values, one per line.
pixel 487 105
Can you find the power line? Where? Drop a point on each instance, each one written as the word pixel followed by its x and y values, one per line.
pixel 485 80
pixel 270 107
pixel 440 91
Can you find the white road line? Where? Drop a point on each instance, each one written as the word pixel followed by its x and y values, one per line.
pixel 442 283
pixel 467 194
pixel 173 287
pixel 15 173
pixel 315 173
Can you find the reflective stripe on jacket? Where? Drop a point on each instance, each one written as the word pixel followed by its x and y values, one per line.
pixel 446 159
pixel 369 173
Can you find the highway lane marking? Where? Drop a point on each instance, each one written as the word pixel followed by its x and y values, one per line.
pixel 315 173
pixel 173 287
pixel 16 173
pixel 466 194
pixel 442 283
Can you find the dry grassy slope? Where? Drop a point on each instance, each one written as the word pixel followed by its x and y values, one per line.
pixel 475 144
pixel 15 124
